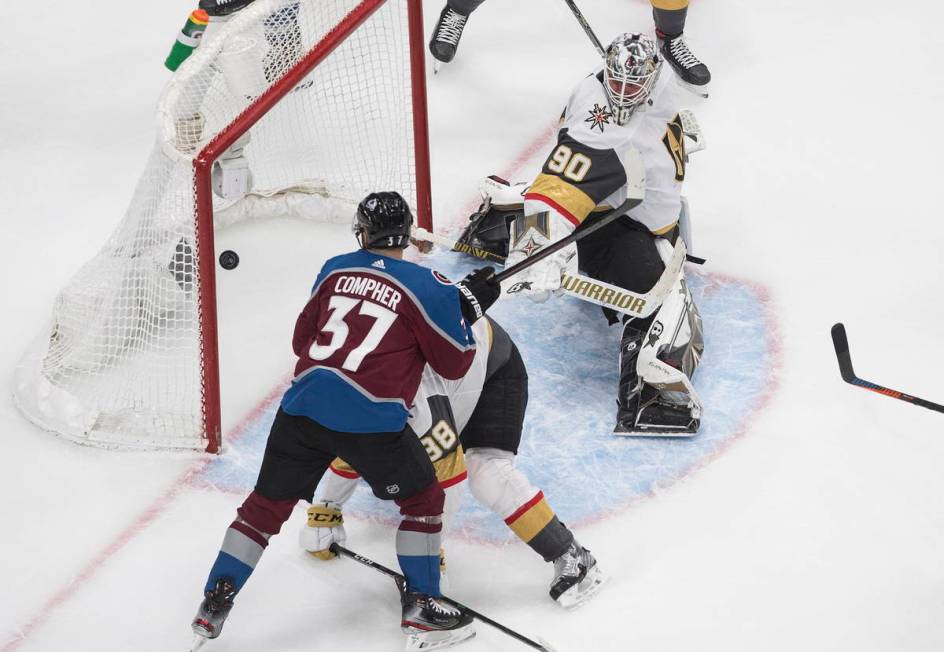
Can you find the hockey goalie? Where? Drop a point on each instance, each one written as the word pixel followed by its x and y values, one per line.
pixel 622 135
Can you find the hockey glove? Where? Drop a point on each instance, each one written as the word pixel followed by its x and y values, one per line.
pixel 541 279
pixel 223 7
pixel 529 236
pixel 325 526
pixel 477 292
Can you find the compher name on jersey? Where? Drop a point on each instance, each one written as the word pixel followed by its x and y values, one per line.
pixel 370 288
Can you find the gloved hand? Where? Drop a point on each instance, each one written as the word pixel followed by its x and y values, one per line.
pixel 325 526
pixel 541 279
pixel 477 292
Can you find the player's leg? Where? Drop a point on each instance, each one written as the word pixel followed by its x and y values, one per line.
pixel 491 439
pixel 397 467
pixel 669 17
pixel 626 254
pixel 448 29
pixel 292 465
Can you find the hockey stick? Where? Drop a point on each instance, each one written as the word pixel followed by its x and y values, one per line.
pixel 586 26
pixel 586 288
pixel 841 344
pixel 370 563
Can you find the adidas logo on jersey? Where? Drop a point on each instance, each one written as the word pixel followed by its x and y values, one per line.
pixel 379 264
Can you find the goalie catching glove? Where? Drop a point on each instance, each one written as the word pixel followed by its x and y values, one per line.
pixel 325 526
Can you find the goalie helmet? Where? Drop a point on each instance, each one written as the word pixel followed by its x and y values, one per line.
pixel 630 71
pixel 383 221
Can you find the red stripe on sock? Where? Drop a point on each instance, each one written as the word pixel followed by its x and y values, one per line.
pixel 420 526
pixel 248 531
pixel 524 508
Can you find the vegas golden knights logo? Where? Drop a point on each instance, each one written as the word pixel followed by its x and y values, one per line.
pixel 674 141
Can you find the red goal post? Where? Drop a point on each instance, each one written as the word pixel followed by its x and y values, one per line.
pixel 203 164
pixel 132 357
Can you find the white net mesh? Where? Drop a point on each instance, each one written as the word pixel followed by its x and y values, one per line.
pixel 122 363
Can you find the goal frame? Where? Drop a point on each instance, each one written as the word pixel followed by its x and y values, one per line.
pixel 203 165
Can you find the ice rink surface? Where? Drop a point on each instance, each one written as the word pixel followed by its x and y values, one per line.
pixel 806 515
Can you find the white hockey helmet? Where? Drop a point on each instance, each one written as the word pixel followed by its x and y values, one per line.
pixel 630 71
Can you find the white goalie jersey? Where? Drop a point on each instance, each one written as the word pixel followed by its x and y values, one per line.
pixel 595 161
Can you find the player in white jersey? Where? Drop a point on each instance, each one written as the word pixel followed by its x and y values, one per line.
pixel 486 408
pixel 622 129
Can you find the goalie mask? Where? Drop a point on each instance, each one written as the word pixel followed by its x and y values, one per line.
pixel 630 71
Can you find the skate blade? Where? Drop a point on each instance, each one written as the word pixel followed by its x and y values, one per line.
pixel 700 91
pixel 437 64
pixel 198 642
pixel 580 593
pixel 423 641
pixel 656 431
pixel 677 434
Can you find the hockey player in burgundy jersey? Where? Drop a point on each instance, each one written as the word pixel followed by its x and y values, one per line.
pixel 486 407
pixel 373 322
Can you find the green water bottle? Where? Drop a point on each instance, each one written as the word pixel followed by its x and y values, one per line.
pixel 188 39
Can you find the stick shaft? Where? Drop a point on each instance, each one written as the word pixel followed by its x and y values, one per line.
pixel 370 563
pixel 586 26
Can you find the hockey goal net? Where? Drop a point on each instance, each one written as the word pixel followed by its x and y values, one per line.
pixel 296 107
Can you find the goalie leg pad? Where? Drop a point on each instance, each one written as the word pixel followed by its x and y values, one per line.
pixel 669 355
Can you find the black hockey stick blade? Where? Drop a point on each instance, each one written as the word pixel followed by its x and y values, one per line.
pixel 397 577
pixel 841 344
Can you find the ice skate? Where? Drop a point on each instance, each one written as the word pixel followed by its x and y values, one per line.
pixel 446 35
pixel 692 73
pixel 657 417
pixel 431 624
pixel 212 613
pixel 576 577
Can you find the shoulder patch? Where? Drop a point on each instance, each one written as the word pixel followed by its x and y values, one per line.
pixel 442 278
pixel 599 116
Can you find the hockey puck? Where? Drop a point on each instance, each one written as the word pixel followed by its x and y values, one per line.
pixel 229 259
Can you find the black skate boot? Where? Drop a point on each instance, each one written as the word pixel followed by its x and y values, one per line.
pixel 576 577
pixel 212 613
pixel 686 65
pixel 446 35
pixel 659 416
pixel 431 624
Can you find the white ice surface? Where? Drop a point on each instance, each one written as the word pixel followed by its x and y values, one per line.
pixel 821 528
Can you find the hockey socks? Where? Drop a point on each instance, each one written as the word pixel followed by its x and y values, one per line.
pixel 498 485
pixel 536 524
pixel 419 539
pixel 246 538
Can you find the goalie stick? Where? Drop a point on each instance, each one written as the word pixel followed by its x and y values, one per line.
pixel 399 579
pixel 841 344
pixel 585 288
pixel 586 26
